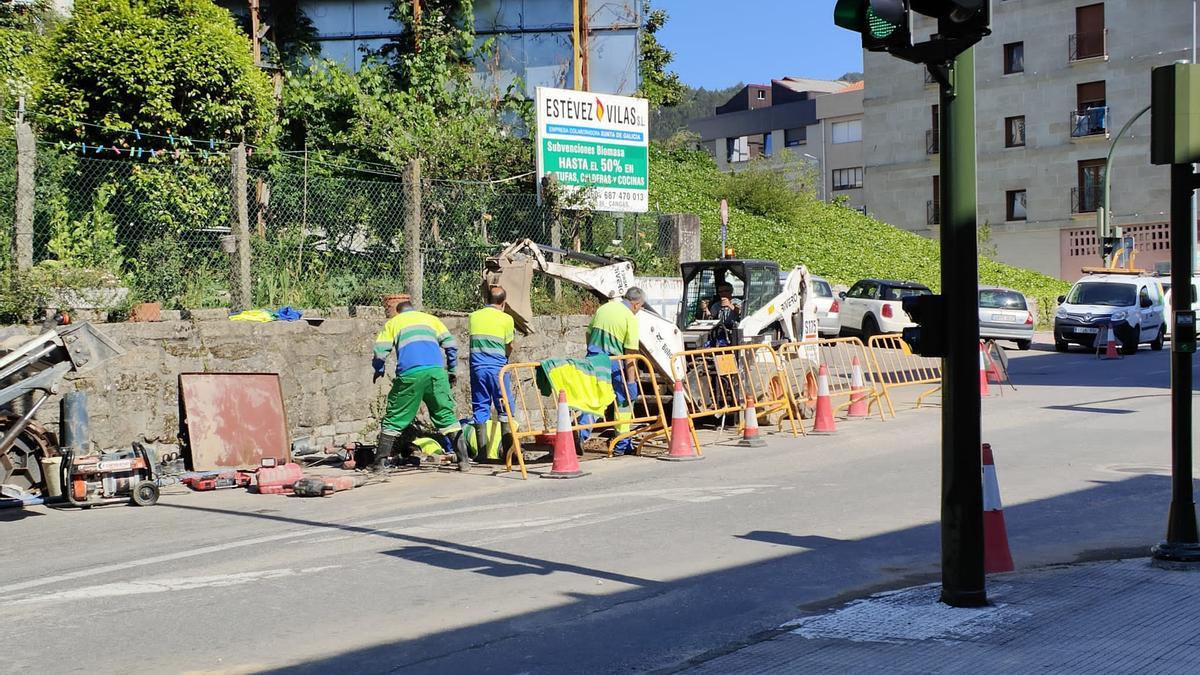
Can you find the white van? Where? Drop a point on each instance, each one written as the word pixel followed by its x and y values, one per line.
pixel 1132 305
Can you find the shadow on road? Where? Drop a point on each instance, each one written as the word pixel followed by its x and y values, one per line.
pixel 654 624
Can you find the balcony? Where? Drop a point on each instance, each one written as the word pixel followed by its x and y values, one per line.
pixel 1090 122
pixel 1084 46
pixel 932 138
pixel 1085 198
pixel 933 212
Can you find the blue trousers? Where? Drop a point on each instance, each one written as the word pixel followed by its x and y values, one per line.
pixel 486 394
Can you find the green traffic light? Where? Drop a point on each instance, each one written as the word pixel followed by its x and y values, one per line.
pixel 879 27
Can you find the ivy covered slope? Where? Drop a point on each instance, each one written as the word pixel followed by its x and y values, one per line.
pixel 775 223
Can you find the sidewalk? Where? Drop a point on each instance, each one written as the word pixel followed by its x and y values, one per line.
pixel 1119 617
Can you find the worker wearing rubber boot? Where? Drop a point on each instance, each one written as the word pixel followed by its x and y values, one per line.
pixel 491 346
pixel 614 331
pixel 426 354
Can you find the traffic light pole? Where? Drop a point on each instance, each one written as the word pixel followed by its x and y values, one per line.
pixel 962 487
pixel 1182 544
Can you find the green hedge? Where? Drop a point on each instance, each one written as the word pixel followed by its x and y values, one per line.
pixel 835 242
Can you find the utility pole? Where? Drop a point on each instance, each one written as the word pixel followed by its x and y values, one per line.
pixel 1175 140
pixel 255 38
pixel 585 32
pixel 950 322
pixel 962 489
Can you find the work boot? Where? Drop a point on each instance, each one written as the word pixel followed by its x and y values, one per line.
pixel 383 450
pixel 481 442
pixel 458 441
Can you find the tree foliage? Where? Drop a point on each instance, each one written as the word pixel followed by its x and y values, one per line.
pixel 23 39
pixel 160 66
pixel 694 104
pixel 435 48
pixel 660 86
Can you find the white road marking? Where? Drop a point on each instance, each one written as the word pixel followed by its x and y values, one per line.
pixel 691 494
pixel 123 588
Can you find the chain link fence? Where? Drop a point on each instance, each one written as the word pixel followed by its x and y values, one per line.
pixel 160 227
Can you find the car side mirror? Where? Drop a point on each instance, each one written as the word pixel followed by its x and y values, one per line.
pixel 842 295
pixel 1147 302
pixel 1061 298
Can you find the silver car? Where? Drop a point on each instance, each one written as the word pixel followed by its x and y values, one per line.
pixel 828 323
pixel 1004 314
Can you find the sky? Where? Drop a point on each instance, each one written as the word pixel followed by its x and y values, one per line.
pixel 719 43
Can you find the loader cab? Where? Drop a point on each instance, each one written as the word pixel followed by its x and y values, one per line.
pixel 754 282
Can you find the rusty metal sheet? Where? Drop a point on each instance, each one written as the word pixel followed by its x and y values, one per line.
pixel 233 420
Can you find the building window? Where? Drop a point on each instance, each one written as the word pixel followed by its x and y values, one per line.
pixel 761 95
pixel 794 137
pixel 1014 201
pixel 848 179
pixel 847 132
pixel 1014 131
pixel 1014 58
pixel 1090 116
pixel 1090 39
pixel 1085 196
pixel 768 144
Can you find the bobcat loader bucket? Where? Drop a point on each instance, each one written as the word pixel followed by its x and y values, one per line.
pixel 516 276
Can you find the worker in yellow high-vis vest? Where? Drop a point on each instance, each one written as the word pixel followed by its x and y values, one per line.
pixel 614 331
pixel 491 346
pixel 426 354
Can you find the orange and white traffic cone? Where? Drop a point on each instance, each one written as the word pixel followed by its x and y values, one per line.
pixel 750 437
pixel 996 555
pixel 1110 345
pixel 566 462
pixel 983 375
pixel 993 368
pixel 858 395
pixel 682 447
pixel 824 418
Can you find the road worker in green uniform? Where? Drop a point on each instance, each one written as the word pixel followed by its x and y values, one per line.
pixel 614 331
pixel 426 354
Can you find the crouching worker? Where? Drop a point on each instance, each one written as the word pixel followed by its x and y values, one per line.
pixel 425 356
pixel 491 346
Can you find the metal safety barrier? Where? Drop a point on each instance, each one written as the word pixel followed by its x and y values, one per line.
pixel 896 366
pixel 530 414
pixel 719 381
pixel 802 362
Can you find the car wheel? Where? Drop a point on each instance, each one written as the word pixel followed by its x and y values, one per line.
pixel 1061 346
pixel 1157 343
pixel 870 328
pixel 1024 345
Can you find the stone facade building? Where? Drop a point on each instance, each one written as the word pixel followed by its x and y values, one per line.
pixel 1056 81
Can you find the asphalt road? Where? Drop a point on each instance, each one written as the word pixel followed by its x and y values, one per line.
pixel 641 565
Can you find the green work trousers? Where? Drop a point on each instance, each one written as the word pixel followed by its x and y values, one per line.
pixel 409 390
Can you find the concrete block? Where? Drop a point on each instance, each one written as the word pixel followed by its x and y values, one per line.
pixel 171 315
pixel 367 312
pixel 220 314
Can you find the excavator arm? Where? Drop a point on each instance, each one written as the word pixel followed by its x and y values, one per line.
pixel 513 269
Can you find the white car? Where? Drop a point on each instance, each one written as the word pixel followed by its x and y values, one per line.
pixel 1166 285
pixel 1131 305
pixel 873 306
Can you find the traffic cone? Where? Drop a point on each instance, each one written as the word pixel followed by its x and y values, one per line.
pixel 993 368
pixel 824 422
pixel 750 437
pixel 1110 346
pixel 858 395
pixel 682 448
pixel 996 555
pixel 983 376
pixel 566 462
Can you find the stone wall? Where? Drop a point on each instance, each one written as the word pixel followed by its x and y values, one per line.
pixel 325 372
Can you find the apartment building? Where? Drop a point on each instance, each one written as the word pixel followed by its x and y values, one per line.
pixel 820 121
pixel 1056 81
